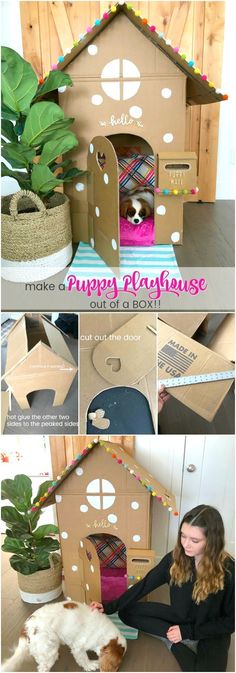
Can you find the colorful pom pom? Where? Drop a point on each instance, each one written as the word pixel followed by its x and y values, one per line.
pixel 75 43
pixel 89 29
pixel 137 12
pixel 158 190
pixel 129 6
pixel 204 77
pixel 183 56
pixel 154 493
pixel 166 192
pixel 105 15
pixel 61 59
pixel 54 66
pixel 144 21
pixel 113 455
pixel 152 29
pixel 184 191
pixel 212 85
pixel 191 64
pixel 225 96
pixel 40 80
pixel 161 35
pixel 113 8
pixel 33 509
pixel 197 71
pixel 97 22
pixel 176 50
pixel 175 192
pixel 119 461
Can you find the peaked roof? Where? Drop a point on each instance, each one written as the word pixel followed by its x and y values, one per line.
pixel 117 453
pixel 199 89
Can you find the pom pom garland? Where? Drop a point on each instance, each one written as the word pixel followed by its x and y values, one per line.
pixel 176 192
pixel 79 457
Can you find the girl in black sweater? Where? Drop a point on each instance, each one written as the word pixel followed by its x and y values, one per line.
pixel 200 618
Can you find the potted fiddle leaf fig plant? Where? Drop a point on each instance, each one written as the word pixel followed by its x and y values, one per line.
pixel 36 139
pixel 34 550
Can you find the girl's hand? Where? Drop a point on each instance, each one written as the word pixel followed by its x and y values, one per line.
pixel 174 634
pixel 163 397
pixel 96 606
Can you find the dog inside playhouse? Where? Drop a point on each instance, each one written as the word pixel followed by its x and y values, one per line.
pixel 104 501
pixel 129 97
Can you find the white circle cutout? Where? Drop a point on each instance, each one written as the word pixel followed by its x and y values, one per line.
pixel 91 148
pixel 168 137
pixel 161 210
pixel 83 508
pixel 81 544
pixel 97 99
pixel 135 111
pixel 135 505
pixel 58 498
pixel 64 535
pixel 79 471
pixel 136 538
pixel 92 569
pixel 62 89
pixel 106 178
pixel 175 236
pixel 87 587
pixel 120 79
pixel 92 242
pixel 97 211
pixel 79 186
pixel 166 92
pixel 113 244
pixel 112 518
pixel 74 568
pixel 92 50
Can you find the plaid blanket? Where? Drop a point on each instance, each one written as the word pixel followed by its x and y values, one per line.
pixel 136 171
pixel 110 550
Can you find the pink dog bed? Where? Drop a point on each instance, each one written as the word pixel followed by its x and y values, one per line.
pixel 137 234
pixel 113 583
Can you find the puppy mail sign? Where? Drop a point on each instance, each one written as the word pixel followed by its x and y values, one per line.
pixel 178 355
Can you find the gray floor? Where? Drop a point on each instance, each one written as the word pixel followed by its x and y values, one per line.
pixel 177 419
pixel 41 404
pixel 208 242
pixel 144 654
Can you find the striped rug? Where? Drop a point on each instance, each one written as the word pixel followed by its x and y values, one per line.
pixel 127 631
pixel 148 261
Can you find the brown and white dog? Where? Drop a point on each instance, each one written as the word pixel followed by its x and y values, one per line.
pixel 137 205
pixel 73 624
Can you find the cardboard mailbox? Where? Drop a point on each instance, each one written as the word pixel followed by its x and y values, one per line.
pixel 105 492
pixel 38 358
pixel 178 355
pixel 177 170
pixel 130 88
pixel 112 348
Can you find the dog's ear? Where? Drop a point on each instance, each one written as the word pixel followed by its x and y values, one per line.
pixel 111 656
pixel 124 207
pixel 145 209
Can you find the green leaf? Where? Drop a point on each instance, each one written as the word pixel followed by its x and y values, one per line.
pixel 13 545
pixel 42 121
pixel 72 173
pixel 18 154
pixel 54 148
pixel 11 516
pixel 48 544
pixel 46 529
pixel 22 178
pixel 8 130
pixel 43 559
pixel 55 79
pixel 43 179
pixel 24 565
pixel 43 488
pixel 19 81
pixel 18 491
pixel 6 113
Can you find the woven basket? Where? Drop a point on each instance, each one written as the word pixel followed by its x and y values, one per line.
pixel 36 242
pixel 44 585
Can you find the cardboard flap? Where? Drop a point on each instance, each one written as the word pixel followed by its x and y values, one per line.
pixel 91 570
pixel 178 355
pixel 104 201
pixel 223 341
pixel 17 343
pixel 57 341
pixel 129 353
pixel 188 323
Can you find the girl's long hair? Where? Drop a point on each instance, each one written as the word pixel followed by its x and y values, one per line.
pixel 210 574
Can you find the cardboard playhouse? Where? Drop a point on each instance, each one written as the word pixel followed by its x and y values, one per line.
pixel 118 354
pixel 129 97
pixel 38 358
pixel 181 355
pixel 104 510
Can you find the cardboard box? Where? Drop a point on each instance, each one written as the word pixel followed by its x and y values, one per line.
pixel 177 170
pixel 96 496
pixel 223 341
pixel 37 358
pixel 169 219
pixel 112 348
pixel 178 355
pixel 188 323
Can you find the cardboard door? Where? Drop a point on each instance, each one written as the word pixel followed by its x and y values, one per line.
pixel 91 571
pixel 103 194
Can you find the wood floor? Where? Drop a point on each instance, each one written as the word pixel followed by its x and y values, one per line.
pixel 208 235
pixel 144 654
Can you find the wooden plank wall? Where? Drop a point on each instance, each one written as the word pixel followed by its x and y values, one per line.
pixel 49 28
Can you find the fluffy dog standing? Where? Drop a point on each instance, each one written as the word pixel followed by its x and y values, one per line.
pixel 72 624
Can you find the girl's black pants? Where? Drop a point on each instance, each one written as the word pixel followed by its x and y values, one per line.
pixel 156 618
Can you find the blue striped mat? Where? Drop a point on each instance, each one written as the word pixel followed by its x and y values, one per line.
pixel 127 631
pixel 149 261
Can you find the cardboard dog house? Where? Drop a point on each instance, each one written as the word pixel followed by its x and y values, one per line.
pixel 104 509
pixel 129 97
pixel 179 355
pixel 38 358
pixel 117 367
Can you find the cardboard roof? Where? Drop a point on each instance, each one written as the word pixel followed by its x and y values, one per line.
pixel 125 461
pixel 199 89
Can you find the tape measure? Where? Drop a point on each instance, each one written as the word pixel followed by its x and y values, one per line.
pixel 196 378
